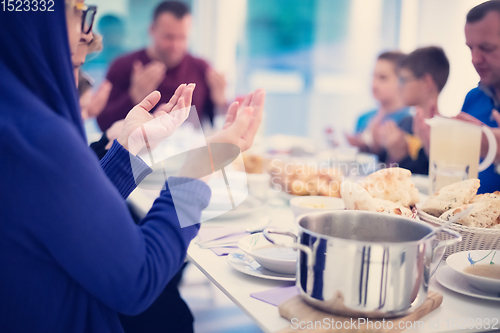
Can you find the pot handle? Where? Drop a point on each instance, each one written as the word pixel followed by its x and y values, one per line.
pixel 457 238
pixel 294 245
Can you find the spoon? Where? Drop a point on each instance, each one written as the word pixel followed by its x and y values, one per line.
pixel 449 222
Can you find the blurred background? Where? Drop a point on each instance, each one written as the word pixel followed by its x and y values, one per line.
pixel 314 57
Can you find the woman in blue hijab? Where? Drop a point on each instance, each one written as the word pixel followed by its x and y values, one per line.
pixel 70 255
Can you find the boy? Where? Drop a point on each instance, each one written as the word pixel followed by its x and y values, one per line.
pixel 422 76
pixel 391 106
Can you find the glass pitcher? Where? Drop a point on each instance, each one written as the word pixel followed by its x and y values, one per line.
pixel 455 151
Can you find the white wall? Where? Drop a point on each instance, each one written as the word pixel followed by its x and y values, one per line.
pixel 441 23
pixel 117 7
pixel 216 31
pixel 339 98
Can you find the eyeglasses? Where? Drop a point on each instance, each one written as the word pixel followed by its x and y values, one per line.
pixel 88 17
pixel 405 79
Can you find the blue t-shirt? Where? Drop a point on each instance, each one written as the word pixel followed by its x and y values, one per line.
pixel 365 118
pixel 479 103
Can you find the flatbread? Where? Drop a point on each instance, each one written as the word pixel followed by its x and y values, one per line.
pixel 393 184
pixel 356 197
pixel 386 206
pixel 483 215
pixel 486 197
pixel 451 196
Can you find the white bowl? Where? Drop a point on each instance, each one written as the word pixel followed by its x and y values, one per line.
pixel 274 258
pixel 461 260
pixel 303 205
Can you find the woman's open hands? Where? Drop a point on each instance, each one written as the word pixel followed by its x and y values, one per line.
pixel 142 129
pixel 242 121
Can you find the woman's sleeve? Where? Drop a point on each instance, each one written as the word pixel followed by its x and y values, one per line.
pixel 120 167
pixel 70 207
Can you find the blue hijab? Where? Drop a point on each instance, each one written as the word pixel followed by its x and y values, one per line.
pixel 36 73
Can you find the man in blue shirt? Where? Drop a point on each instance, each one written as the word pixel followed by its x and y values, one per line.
pixel 482 35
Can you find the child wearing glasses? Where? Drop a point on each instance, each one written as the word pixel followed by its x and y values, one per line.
pixel 422 76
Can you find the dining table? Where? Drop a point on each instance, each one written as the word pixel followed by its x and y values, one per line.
pixel 454 314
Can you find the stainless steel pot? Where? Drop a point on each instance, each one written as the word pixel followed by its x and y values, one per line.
pixel 364 264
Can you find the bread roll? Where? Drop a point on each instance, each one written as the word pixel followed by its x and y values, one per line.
pixel 253 163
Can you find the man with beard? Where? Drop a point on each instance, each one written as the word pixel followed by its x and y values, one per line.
pixel 163 66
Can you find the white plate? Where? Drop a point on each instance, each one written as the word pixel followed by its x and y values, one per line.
pixel 289 197
pixel 461 260
pixel 281 260
pixel 220 199
pixel 450 279
pixel 285 195
pixel 249 206
pixel 328 203
pixel 421 182
pixel 423 198
pixel 246 264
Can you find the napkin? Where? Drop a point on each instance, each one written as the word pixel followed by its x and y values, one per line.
pixel 276 296
pixel 220 233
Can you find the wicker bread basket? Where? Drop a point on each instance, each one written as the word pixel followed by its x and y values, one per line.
pixel 472 238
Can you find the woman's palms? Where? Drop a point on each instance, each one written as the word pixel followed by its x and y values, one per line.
pixel 142 129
